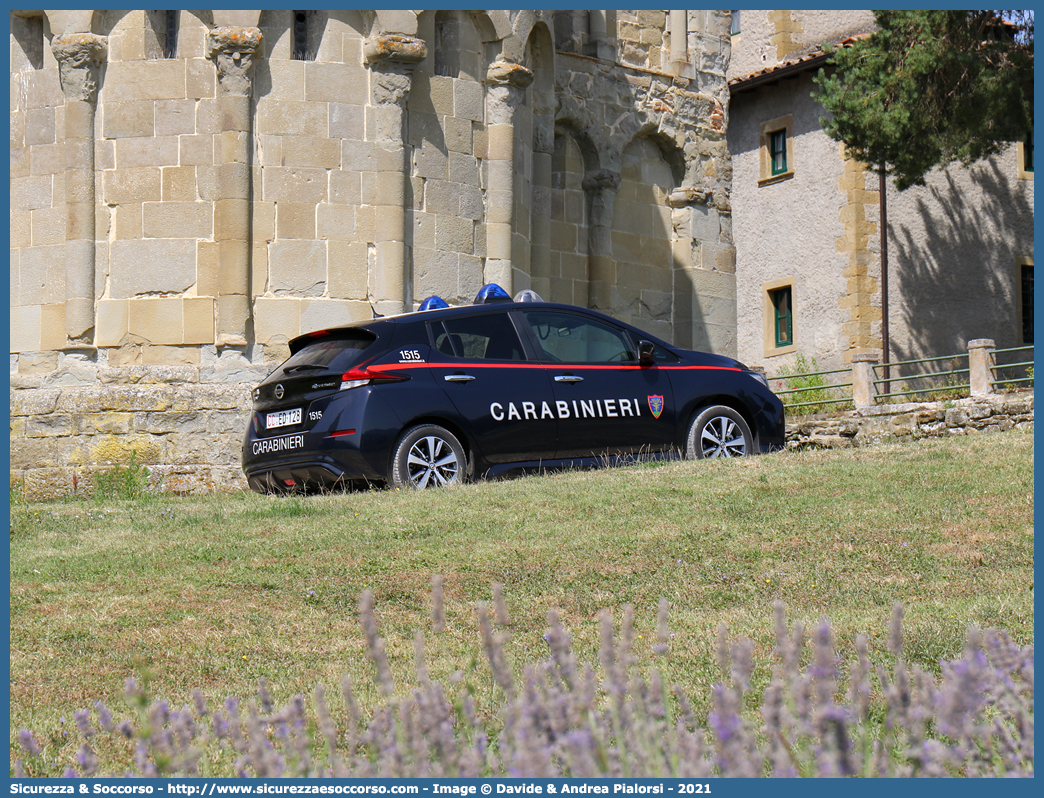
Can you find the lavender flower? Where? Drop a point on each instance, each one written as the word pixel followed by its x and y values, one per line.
pixel 438 611
pixel 28 742
pixel 499 608
pixel 104 716
pixel 558 718
pixel 83 722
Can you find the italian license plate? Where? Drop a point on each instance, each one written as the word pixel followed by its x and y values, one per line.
pixel 284 418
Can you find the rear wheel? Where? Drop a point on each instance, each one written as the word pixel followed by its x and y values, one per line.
pixel 427 456
pixel 718 431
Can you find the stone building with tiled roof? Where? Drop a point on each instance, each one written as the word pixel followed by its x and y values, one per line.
pixel 806 220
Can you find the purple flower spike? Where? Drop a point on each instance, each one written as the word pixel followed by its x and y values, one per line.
pixel 28 741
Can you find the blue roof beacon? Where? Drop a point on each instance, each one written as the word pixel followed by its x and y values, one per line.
pixel 433 303
pixel 491 292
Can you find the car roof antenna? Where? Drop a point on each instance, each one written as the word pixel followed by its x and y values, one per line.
pixel 373 310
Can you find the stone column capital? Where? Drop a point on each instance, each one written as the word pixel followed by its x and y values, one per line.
pixel 506 73
pixel 601 180
pixel 391 85
pixel 78 56
pixel 396 48
pixel 234 50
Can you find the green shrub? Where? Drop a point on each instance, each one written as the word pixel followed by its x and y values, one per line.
pixel 814 392
pixel 122 482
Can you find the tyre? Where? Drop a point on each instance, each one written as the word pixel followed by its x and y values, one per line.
pixel 718 431
pixel 427 456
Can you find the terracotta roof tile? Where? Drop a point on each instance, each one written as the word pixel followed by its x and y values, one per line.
pixel 817 51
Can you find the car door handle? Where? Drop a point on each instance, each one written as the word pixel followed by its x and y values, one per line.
pixel 568 378
pixel 458 378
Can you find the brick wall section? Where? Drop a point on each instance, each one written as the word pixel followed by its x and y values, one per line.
pixel 993 413
pixel 72 422
pixel 185 423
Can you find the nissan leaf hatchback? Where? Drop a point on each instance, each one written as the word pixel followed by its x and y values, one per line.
pixel 441 395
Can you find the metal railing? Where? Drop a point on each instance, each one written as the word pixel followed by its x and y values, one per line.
pixel 819 392
pixel 1022 370
pixel 1007 369
pixel 951 381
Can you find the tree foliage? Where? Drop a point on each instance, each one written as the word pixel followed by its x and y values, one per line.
pixel 930 88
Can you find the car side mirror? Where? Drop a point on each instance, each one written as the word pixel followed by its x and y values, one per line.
pixel 645 353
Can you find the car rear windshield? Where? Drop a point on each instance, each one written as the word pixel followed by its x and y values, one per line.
pixel 334 352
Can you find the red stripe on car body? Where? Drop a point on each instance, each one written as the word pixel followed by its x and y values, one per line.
pixel 560 366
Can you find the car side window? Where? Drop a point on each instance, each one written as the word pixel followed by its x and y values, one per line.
pixel 570 338
pixel 489 337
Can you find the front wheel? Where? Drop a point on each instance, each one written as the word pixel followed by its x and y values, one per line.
pixel 427 456
pixel 718 431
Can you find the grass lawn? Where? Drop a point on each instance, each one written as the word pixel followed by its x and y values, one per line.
pixel 219 592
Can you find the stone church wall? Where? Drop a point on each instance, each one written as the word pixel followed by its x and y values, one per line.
pixel 177 217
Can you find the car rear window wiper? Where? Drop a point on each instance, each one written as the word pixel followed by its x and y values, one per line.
pixel 301 367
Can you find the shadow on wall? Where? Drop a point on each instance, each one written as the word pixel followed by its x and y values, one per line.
pixel 954 264
pixel 651 290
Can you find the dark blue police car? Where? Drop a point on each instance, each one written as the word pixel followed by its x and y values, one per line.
pixel 443 394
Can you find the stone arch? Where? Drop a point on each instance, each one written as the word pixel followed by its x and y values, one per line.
pixel 492 25
pixel 526 22
pixel 651 288
pixel 592 153
pixel 276 27
pixel 670 149
pixel 571 30
pixel 205 17
pixel 493 28
pixel 446 46
pixel 356 19
pixel 456 46
pixel 351 24
pixel 103 23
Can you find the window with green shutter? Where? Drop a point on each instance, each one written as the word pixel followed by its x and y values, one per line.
pixel 783 318
pixel 778 151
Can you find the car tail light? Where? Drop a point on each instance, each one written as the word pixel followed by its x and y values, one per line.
pixel 365 376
